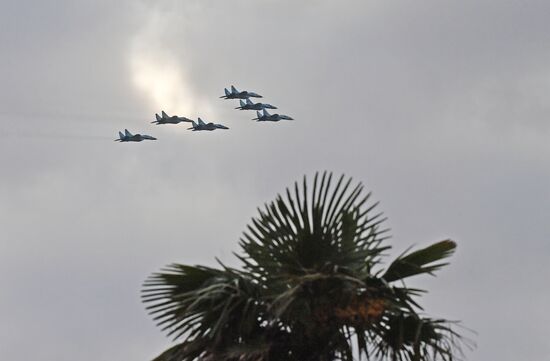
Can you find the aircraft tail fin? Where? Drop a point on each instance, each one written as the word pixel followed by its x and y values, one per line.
pixel 258 114
pixel 234 90
pixel 248 101
pixel 120 135
pixel 227 92
pixel 158 117
pixel 127 133
pixel 164 115
pixel 266 114
pixel 242 103
pixel 201 122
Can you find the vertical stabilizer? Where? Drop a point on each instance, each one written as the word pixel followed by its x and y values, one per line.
pixel 164 115
pixel 234 90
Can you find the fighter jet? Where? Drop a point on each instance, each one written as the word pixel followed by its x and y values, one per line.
pixel 129 137
pixel 166 119
pixel 266 117
pixel 235 94
pixel 248 105
pixel 206 126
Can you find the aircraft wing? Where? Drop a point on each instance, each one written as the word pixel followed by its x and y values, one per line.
pixel 184 119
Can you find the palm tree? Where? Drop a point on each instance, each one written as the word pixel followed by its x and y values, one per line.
pixel 311 288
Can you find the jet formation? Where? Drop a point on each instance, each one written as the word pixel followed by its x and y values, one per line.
pixel 245 104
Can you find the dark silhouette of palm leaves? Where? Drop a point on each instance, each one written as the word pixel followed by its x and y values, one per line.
pixel 311 288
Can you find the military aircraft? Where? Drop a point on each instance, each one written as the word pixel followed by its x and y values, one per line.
pixel 235 94
pixel 129 137
pixel 166 119
pixel 266 117
pixel 248 105
pixel 206 126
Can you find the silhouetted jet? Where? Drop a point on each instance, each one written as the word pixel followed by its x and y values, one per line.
pixel 235 94
pixel 206 126
pixel 129 137
pixel 248 105
pixel 166 119
pixel 266 117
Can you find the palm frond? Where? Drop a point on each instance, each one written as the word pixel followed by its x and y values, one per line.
pixel 425 260
pixel 202 302
pixel 409 337
pixel 185 351
pixel 306 232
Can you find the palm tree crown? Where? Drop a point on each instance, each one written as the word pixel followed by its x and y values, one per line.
pixel 312 288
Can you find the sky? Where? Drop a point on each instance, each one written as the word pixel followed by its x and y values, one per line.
pixel 440 108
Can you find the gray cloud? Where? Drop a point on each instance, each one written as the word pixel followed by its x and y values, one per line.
pixel 439 108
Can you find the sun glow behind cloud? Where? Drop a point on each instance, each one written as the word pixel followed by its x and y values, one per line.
pixel 155 69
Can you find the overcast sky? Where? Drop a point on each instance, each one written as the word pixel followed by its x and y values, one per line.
pixel 440 107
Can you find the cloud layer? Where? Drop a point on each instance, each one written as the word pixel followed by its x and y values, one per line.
pixel 441 109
